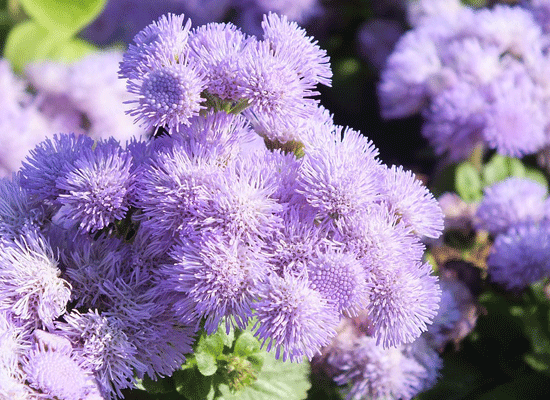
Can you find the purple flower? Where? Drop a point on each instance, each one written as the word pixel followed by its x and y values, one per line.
pixel 16 212
pixel 404 298
pixel 340 277
pixel 168 95
pixel 510 202
pixel 520 256
pixel 373 372
pixel 164 42
pixel 289 43
pixel 339 177
pixel 294 318
pixel 102 347
pixel 271 84
pixel 216 49
pixel 45 164
pixel 31 288
pixel 95 186
pixel 215 277
pixel 51 368
pixel 412 202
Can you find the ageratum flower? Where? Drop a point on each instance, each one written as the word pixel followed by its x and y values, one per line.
pixel 94 188
pixel 31 288
pixel 293 318
pixel 45 164
pixel 51 368
pixel 510 202
pixel 521 255
pixel 102 347
pixel 217 277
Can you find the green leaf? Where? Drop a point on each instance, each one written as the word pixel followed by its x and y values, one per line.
pixel 516 167
pixel 211 344
pixel 277 380
pixel 495 170
pixel 468 182
pixel 27 42
pixel 539 362
pixel 64 16
pixel 192 384
pixel 246 344
pixel 206 363
pixel 227 338
pixel 71 50
pixel 537 176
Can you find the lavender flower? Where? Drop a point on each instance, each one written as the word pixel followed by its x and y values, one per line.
pixel 294 318
pixel 520 256
pixel 412 202
pixel 95 187
pixel 45 164
pixel 511 202
pixel 16 212
pixel 103 348
pixel 218 277
pixel 467 70
pixel 52 369
pixel 338 178
pixel 31 288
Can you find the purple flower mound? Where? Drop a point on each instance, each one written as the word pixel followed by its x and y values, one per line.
pixel 511 202
pixel 477 77
pixel 250 207
pixel 521 256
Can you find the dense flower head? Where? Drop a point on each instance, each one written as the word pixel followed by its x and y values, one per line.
pixel 294 318
pixel 511 202
pixel 495 54
pixel 364 369
pixel 45 163
pixel 520 256
pixel 246 204
pixel 31 288
pixel 56 372
pixel 95 187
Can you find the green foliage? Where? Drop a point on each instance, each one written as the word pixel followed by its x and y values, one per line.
pixel 50 33
pixel 66 17
pixel 468 182
pixel 231 366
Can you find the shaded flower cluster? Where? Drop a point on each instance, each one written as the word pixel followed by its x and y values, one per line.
pixel 477 76
pixel 248 205
pixel 516 213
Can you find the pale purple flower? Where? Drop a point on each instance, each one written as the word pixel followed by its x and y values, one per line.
pixel 52 369
pixel 340 277
pixel 215 277
pixel 404 299
pixel 339 176
pixel 521 255
pixel 373 372
pixel 31 288
pixel 16 212
pixel 45 164
pixel 216 49
pixel 102 347
pixel 167 95
pixel 510 202
pixel 412 202
pixel 293 318
pixel 289 43
pixel 95 186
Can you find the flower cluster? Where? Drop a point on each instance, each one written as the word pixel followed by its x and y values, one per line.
pixel 516 213
pixel 477 76
pixel 247 206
